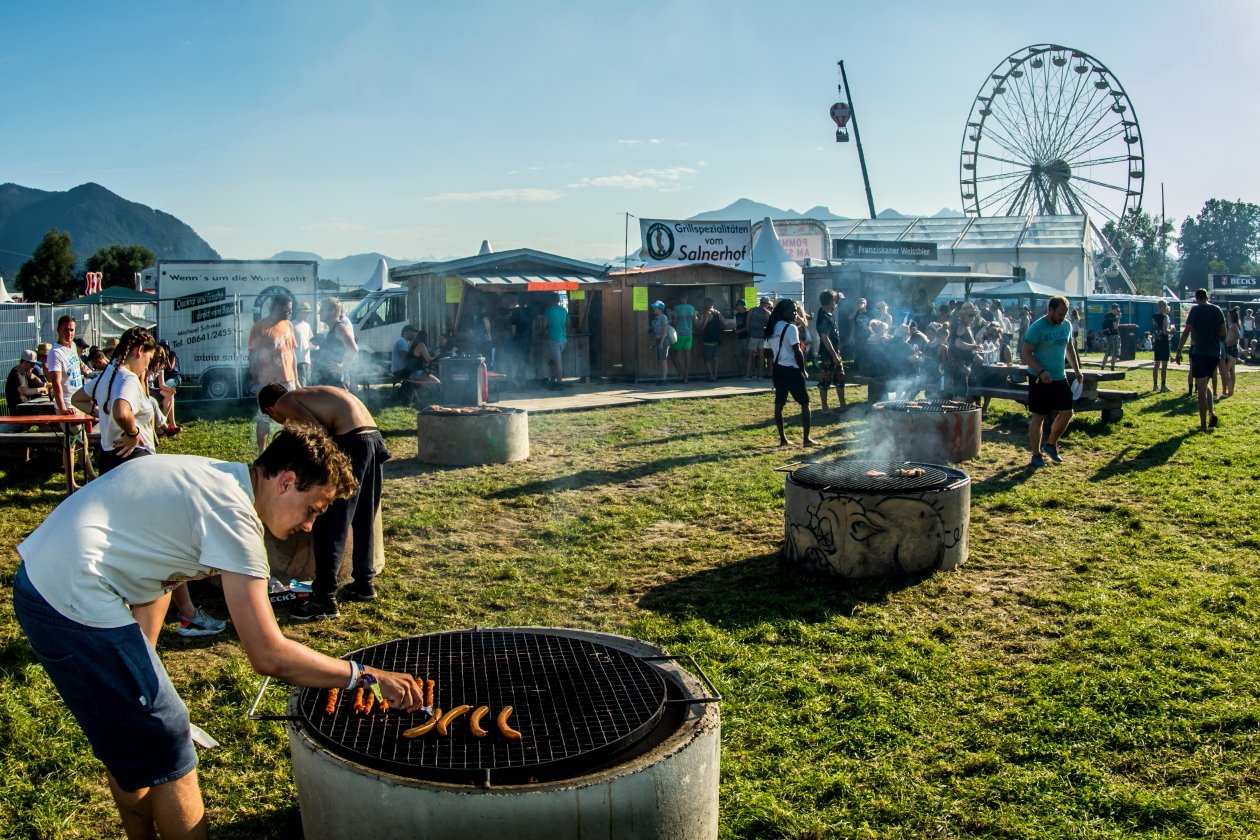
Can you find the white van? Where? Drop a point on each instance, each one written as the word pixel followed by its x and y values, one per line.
pixel 378 320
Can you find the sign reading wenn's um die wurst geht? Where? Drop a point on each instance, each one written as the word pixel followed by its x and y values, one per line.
pixel 878 249
pixel 682 243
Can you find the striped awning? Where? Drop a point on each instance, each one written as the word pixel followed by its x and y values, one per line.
pixel 536 282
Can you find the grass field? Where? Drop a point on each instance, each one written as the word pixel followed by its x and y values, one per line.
pixel 1092 671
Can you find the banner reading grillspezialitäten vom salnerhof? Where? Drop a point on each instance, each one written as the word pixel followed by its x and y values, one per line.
pixel 680 243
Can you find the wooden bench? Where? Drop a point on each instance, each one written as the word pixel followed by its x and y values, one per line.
pixel 1109 403
pixel 24 441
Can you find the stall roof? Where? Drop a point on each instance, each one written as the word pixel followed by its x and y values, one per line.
pixel 548 280
pixel 963 233
pixel 948 276
pixel 1024 288
pixel 648 269
pixel 507 263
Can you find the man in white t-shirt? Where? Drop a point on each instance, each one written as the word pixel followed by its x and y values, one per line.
pixel 95 580
pixel 65 375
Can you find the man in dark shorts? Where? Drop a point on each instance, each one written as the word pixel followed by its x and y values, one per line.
pixel 830 365
pixel 1205 328
pixel 1111 334
pixel 1047 343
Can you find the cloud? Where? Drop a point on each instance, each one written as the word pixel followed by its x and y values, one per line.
pixel 500 195
pixel 669 179
pixel 653 141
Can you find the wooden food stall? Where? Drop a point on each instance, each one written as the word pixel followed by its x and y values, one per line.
pixel 627 350
pixel 452 300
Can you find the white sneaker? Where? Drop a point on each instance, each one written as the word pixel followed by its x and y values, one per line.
pixel 200 625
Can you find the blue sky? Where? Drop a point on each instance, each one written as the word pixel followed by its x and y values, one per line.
pixel 418 129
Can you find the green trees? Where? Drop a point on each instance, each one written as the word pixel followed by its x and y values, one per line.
pixel 1142 242
pixel 1223 239
pixel 120 264
pixel 48 276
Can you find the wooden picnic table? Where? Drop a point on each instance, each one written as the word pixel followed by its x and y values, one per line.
pixel 61 423
pixel 1109 402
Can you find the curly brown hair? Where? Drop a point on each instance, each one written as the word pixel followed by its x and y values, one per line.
pixel 313 457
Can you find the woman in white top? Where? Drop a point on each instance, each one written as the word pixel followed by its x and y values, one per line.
pixel 788 370
pixel 125 408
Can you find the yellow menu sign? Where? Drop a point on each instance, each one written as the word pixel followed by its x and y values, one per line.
pixel 640 303
pixel 454 289
pixel 750 296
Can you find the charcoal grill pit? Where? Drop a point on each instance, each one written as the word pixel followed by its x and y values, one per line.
pixel 471 436
pixel 840 520
pixel 617 741
pixel 927 430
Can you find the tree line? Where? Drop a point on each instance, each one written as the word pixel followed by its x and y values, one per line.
pixel 1224 238
pixel 49 275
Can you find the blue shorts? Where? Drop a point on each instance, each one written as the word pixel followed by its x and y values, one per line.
pixel 115 686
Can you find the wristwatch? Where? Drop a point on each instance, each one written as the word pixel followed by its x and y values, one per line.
pixel 135 433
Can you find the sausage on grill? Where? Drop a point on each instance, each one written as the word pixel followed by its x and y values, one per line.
pixel 331 705
pixel 446 719
pixel 505 730
pixel 474 723
pixel 424 728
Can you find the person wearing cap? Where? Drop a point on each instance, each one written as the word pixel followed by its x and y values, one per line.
pixel 658 327
pixel 1046 346
pixel 302 334
pixel 41 360
pixel 20 386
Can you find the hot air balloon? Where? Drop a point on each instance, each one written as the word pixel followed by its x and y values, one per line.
pixel 840 113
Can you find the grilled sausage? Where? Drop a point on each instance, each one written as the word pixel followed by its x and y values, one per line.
pixel 429 687
pixel 331 705
pixel 370 704
pixel 445 720
pixel 474 723
pixel 424 728
pixel 358 700
pixel 505 730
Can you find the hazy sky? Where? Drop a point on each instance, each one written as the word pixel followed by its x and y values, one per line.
pixel 418 129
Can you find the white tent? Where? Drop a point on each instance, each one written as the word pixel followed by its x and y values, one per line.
pixel 5 297
pixel 380 278
pixel 485 248
pixel 783 276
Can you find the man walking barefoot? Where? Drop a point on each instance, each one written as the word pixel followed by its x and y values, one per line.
pixel 1047 343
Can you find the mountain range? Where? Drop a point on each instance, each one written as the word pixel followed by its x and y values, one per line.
pixel 96 218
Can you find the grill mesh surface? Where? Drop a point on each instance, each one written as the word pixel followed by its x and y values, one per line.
pixel 575 703
pixel 852 476
pixel 925 406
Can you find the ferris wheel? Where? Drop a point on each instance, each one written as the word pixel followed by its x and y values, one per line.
pixel 1052 132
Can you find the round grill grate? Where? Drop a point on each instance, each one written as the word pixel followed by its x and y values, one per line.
pixel 852 476
pixel 576 703
pixel 925 406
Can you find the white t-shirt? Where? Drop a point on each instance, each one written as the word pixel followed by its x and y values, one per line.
pixel 66 360
pixel 139 531
pixel 302 334
pixel 126 386
pixel 785 350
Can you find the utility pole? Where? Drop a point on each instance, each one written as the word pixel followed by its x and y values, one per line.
pixel 857 138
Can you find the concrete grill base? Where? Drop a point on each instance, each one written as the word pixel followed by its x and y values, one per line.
pixel 858 534
pixel 465 440
pixel 930 436
pixel 669 792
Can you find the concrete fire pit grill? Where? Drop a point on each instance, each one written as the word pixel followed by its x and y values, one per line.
pixel 927 430
pixel 869 519
pixel 471 435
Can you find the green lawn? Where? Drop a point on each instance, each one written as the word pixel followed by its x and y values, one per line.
pixel 1091 671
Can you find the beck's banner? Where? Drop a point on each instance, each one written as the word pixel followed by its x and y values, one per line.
pixel 684 243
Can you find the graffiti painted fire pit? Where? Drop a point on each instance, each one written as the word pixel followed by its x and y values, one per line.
pixel 465 436
pixel 869 519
